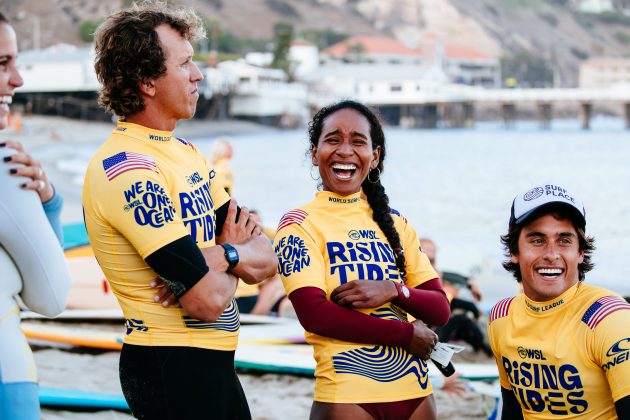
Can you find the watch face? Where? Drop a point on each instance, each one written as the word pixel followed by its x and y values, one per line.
pixel 232 254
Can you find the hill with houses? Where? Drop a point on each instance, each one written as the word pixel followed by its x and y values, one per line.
pixel 551 37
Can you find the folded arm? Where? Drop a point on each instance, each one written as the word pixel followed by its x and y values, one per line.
pixel 257 261
pixel 323 317
pixel 427 302
pixel 198 279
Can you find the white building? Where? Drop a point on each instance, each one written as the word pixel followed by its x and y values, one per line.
pixel 595 6
pixel 60 68
pixel 605 73
pixel 305 57
pixel 263 94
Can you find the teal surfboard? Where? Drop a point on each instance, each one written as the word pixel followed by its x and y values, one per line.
pixel 74 235
pixel 69 398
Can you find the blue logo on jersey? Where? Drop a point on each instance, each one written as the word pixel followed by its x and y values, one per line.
pixel 292 255
pixel 198 212
pixel 540 387
pixel 531 354
pixel 362 234
pixel 619 352
pixel 359 260
pixel 135 324
pixel 150 203
pixel 194 179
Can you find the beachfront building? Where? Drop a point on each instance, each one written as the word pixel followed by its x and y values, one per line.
pixel 605 73
pixel 461 64
pixel 59 80
pixel 264 95
pixel 406 95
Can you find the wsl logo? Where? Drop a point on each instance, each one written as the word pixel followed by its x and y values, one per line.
pixel 618 353
pixel 362 234
pixel 531 354
pixel 194 179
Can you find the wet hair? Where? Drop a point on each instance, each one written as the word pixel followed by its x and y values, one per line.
pixel 374 191
pixel 128 52
pixel 586 243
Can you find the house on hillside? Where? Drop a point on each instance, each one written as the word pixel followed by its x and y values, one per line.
pixel 461 64
pixel 605 73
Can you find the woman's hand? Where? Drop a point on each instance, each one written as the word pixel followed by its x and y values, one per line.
pixel 30 168
pixel 423 341
pixel 364 293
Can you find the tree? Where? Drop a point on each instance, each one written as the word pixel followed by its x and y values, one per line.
pixel 528 69
pixel 282 38
pixel 87 29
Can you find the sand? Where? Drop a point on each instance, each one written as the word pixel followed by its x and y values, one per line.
pixel 270 396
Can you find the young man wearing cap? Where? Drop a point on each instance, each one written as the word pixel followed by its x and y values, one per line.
pixel 562 346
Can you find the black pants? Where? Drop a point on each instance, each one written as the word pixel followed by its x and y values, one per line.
pixel 181 383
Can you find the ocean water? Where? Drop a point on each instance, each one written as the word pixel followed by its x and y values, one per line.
pixel 456 186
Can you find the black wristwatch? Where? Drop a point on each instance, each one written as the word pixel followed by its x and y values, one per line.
pixel 231 255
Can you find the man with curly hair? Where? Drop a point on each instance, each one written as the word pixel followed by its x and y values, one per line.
pixel 154 210
pixel 562 346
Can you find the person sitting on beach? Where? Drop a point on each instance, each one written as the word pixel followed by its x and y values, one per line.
pixel 561 346
pixel 353 269
pixel 153 208
pixel 221 153
pixel 464 320
pixel 32 265
pixel 266 298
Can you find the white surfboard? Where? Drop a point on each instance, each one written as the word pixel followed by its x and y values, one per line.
pixel 298 359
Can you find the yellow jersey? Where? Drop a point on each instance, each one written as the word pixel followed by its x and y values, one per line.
pixel 144 189
pixel 331 241
pixel 566 358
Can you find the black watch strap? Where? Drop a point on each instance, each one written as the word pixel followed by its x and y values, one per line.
pixel 231 255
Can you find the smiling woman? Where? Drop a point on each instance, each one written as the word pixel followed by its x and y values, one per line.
pixel 353 269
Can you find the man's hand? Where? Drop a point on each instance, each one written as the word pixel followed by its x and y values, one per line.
pixel 238 232
pixel 164 294
pixel 364 293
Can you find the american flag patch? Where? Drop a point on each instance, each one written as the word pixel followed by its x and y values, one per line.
pixel 602 308
pixel 397 213
pixel 127 161
pixel 294 216
pixel 500 309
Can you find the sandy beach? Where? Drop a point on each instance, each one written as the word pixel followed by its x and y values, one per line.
pixel 271 396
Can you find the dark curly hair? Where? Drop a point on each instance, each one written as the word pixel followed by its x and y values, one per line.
pixel 559 212
pixel 128 52
pixel 375 192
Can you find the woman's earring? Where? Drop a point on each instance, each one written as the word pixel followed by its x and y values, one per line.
pixel 378 177
pixel 313 177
